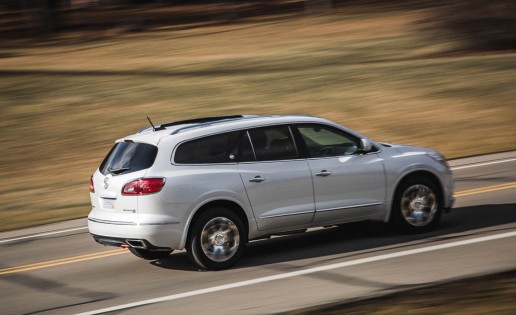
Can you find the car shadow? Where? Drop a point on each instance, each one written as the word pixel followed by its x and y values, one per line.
pixel 356 239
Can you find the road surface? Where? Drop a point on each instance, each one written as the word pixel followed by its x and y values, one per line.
pixel 59 269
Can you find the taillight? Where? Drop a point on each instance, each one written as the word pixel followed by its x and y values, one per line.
pixel 143 186
pixel 92 188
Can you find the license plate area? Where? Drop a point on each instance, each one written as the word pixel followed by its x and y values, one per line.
pixel 108 203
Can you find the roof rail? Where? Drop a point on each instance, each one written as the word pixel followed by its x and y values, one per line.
pixel 210 123
pixel 192 121
pixel 200 120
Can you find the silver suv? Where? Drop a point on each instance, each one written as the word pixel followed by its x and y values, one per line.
pixel 212 184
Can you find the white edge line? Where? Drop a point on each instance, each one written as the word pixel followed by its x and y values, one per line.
pixel 301 272
pixel 482 164
pixel 42 234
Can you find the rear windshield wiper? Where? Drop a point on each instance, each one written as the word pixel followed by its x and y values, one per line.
pixel 118 170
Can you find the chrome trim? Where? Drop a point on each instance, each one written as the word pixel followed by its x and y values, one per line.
pixel 285 215
pixel 111 222
pixel 293 140
pixel 272 161
pixel 350 207
pixel 133 243
pixel 252 146
pixel 256 179
pixel 129 223
pixel 164 223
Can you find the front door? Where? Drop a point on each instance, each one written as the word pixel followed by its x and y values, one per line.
pixel 348 185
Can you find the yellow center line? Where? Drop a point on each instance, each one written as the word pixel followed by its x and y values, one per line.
pixel 485 189
pixel 114 252
pixel 63 261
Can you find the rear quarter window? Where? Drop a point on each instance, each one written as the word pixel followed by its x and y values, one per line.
pixel 128 157
pixel 222 148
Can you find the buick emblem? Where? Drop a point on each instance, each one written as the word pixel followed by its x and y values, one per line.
pixel 106 184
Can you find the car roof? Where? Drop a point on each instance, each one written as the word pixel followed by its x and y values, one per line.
pixel 210 125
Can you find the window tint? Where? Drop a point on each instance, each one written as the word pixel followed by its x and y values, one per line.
pixel 127 157
pixel 221 148
pixel 273 143
pixel 324 141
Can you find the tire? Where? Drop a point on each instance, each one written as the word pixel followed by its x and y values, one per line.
pixel 417 205
pixel 217 239
pixel 148 254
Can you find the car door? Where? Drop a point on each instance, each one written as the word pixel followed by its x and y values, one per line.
pixel 348 185
pixel 277 181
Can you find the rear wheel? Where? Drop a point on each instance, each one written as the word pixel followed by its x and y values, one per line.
pixel 217 239
pixel 416 206
pixel 148 254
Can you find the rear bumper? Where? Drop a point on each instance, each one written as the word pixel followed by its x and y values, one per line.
pixel 126 242
pixel 157 236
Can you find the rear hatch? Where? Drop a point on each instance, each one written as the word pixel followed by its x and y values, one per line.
pixel 125 162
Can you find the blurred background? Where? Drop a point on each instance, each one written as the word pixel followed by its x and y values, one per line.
pixel 75 75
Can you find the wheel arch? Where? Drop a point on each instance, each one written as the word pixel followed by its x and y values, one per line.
pixel 417 173
pixel 223 203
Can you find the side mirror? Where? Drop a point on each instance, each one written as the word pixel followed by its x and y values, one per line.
pixel 365 145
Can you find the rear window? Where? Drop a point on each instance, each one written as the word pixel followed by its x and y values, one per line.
pixel 128 157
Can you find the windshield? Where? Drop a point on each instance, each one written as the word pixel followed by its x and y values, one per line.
pixel 127 157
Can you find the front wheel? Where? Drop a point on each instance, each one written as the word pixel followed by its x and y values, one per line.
pixel 217 239
pixel 416 206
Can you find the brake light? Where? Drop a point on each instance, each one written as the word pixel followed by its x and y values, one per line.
pixel 143 186
pixel 92 188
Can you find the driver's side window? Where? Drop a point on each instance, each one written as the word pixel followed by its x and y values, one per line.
pixel 326 141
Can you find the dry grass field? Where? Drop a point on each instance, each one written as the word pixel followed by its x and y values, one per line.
pixel 489 294
pixel 387 75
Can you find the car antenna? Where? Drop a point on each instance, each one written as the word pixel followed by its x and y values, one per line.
pixel 153 127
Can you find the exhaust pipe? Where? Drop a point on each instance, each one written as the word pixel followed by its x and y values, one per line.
pixel 136 244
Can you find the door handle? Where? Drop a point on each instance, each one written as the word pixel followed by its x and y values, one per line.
pixel 323 173
pixel 256 179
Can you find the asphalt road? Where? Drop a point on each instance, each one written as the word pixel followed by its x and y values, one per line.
pixel 59 269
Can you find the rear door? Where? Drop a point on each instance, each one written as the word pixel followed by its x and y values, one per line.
pixel 277 181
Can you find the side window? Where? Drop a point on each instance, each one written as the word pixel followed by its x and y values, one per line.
pixel 325 141
pixel 221 148
pixel 273 143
